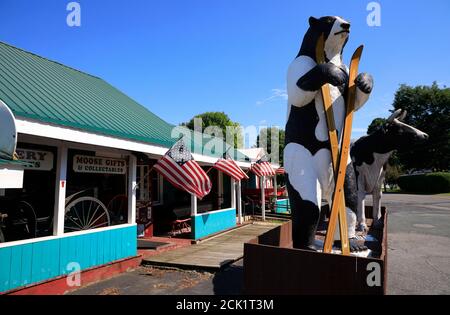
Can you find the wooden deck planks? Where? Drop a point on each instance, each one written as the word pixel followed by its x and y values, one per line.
pixel 213 253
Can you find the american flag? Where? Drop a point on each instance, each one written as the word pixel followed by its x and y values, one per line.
pixel 262 168
pixel 280 170
pixel 181 170
pixel 229 167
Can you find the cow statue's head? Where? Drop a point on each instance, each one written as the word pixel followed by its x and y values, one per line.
pixel 398 135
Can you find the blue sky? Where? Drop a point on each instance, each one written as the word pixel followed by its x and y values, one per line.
pixel 184 57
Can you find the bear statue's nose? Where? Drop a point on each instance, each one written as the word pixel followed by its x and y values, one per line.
pixel 345 26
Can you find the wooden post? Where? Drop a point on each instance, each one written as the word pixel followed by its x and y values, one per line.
pixel 263 198
pixel 132 169
pixel 239 202
pixel 60 191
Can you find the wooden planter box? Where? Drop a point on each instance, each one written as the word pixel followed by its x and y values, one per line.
pixel 273 267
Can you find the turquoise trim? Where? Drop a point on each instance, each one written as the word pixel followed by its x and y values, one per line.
pixel 22 265
pixel 283 206
pixel 213 222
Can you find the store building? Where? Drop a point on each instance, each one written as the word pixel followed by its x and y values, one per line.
pixel 86 152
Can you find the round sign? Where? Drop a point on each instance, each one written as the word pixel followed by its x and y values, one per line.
pixel 8 132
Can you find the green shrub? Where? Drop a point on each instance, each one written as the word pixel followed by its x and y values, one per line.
pixel 433 183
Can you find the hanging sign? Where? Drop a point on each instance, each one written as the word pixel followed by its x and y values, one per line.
pixel 38 160
pixel 98 165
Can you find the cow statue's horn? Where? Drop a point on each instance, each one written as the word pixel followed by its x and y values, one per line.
pixel 394 115
pixel 403 115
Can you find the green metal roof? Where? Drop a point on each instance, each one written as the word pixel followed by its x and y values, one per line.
pixel 37 88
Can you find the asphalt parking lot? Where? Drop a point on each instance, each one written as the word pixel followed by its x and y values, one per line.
pixel 418 257
pixel 418 243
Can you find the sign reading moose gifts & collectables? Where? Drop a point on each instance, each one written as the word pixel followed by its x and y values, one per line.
pixel 98 165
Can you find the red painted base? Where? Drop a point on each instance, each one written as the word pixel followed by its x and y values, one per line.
pixel 59 285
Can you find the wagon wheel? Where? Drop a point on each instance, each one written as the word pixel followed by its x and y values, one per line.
pixel 118 208
pixel 85 213
pixel 22 220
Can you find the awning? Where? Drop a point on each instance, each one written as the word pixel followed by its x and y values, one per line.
pixel 14 162
pixel 262 168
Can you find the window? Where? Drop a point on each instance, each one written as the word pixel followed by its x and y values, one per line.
pixel 150 186
pixel 96 193
pixel 28 212
pixel 156 188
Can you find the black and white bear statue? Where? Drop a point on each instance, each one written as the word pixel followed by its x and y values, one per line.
pixel 307 155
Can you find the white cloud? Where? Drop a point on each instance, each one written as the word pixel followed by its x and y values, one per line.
pixel 358 133
pixel 276 94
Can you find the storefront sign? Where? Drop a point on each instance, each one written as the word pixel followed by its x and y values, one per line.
pixel 38 160
pixel 98 165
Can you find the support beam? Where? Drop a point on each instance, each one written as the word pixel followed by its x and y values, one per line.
pixel 132 169
pixel 263 198
pixel 60 191
pixel 233 193
pixel 275 191
pixel 239 203
pixel 193 205
pixel 220 190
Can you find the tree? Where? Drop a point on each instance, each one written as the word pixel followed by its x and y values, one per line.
pixel 216 123
pixel 264 140
pixel 428 109
pixel 393 172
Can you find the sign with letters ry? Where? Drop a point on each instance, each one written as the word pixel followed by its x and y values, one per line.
pixel 38 160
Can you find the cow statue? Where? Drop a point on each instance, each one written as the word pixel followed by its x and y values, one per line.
pixel 370 155
pixel 307 157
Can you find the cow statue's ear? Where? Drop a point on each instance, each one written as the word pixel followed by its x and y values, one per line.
pixel 313 22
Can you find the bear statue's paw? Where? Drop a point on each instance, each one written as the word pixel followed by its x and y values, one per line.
pixel 333 74
pixel 364 82
pixel 361 227
pixel 355 245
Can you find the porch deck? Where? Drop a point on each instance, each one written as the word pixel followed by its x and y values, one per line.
pixel 214 253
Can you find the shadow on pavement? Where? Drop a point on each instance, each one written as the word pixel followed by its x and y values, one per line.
pixel 230 281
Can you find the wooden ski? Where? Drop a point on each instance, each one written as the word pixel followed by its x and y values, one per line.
pixel 334 144
pixel 338 203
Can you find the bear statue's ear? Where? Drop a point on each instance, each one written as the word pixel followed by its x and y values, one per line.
pixel 313 21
